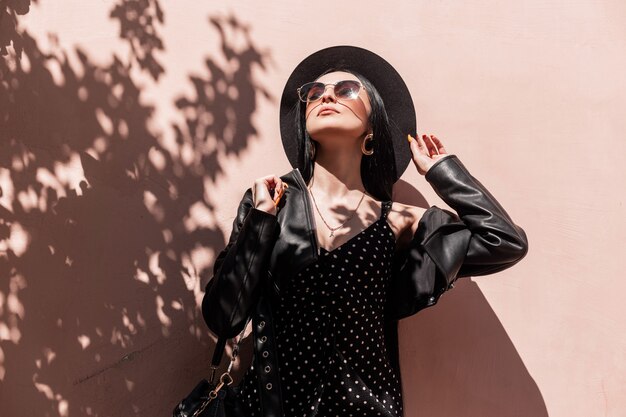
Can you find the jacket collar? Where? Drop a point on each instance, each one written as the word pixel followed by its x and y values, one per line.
pixel 297 246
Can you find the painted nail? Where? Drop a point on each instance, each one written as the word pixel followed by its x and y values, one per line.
pixel 409 138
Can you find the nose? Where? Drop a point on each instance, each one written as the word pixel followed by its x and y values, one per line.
pixel 329 96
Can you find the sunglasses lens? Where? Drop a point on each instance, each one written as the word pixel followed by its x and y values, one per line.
pixel 347 89
pixel 311 91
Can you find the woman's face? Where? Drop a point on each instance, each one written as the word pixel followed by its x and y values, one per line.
pixel 330 117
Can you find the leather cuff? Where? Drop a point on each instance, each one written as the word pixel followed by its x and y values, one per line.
pixel 441 167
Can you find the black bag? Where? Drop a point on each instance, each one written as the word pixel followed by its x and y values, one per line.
pixel 209 399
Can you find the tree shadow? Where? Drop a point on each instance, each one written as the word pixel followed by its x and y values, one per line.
pixel 456 357
pixel 103 249
pixel 138 22
pixel 9 34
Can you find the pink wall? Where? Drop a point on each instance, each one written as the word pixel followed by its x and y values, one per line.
pixel 122 160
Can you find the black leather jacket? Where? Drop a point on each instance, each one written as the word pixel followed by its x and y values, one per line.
pixel 266 250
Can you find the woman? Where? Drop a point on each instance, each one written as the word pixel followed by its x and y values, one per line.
pixel 326 263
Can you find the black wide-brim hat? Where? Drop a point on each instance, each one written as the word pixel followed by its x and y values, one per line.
pixel 390 86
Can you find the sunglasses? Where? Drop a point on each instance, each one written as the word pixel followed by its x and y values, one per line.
pixel 346 89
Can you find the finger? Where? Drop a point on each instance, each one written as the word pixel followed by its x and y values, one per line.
pixel 413 144
pixel 438 144
pixel 278 190
pixel 270 182
pixel 265 185
pixel 429 145
pixel 434 148
pixel 275 187
pixel 421 146
pixel 279 194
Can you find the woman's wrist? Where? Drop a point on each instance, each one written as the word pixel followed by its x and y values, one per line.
pixel 267 208
pixel 437 161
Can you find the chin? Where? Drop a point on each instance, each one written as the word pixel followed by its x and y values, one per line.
pixel 324 130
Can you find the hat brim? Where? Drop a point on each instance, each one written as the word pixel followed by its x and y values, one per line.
pixel 390 86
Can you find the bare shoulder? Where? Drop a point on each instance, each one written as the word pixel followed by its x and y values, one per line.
pixel 403 220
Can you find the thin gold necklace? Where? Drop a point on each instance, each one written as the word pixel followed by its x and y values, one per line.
pixel 332 229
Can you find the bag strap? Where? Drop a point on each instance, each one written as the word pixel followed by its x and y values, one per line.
pixel 220 346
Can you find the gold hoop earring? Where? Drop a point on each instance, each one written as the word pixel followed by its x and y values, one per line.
pixel 368 138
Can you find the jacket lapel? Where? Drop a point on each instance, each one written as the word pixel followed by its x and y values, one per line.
pixel 296 246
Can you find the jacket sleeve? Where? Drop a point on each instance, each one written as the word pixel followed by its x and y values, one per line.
pixel 479 239
pixel 239 270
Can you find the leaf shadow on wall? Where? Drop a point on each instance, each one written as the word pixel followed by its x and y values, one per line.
pixel 456 357
pixel 101 241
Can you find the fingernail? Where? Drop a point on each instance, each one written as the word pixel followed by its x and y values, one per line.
pixel 409 138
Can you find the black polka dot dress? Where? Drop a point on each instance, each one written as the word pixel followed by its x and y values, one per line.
pixel 330 333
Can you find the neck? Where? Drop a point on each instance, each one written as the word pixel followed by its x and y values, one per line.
pixel 337 172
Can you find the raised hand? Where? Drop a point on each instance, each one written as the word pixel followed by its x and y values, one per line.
pixel 426 151
pixel 266 193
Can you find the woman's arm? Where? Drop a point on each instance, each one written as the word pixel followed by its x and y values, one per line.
pixel 239 269
pixel 479 239
pixel 496 242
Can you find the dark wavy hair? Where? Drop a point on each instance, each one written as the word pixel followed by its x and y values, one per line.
pixel 378 171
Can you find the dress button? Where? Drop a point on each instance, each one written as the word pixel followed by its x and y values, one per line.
pixel 262 324
pixel 263 339
pixel 265 353
pixel 268 369
pixel 268 386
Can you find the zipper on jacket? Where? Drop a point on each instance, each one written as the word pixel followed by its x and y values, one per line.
pixel 309 210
